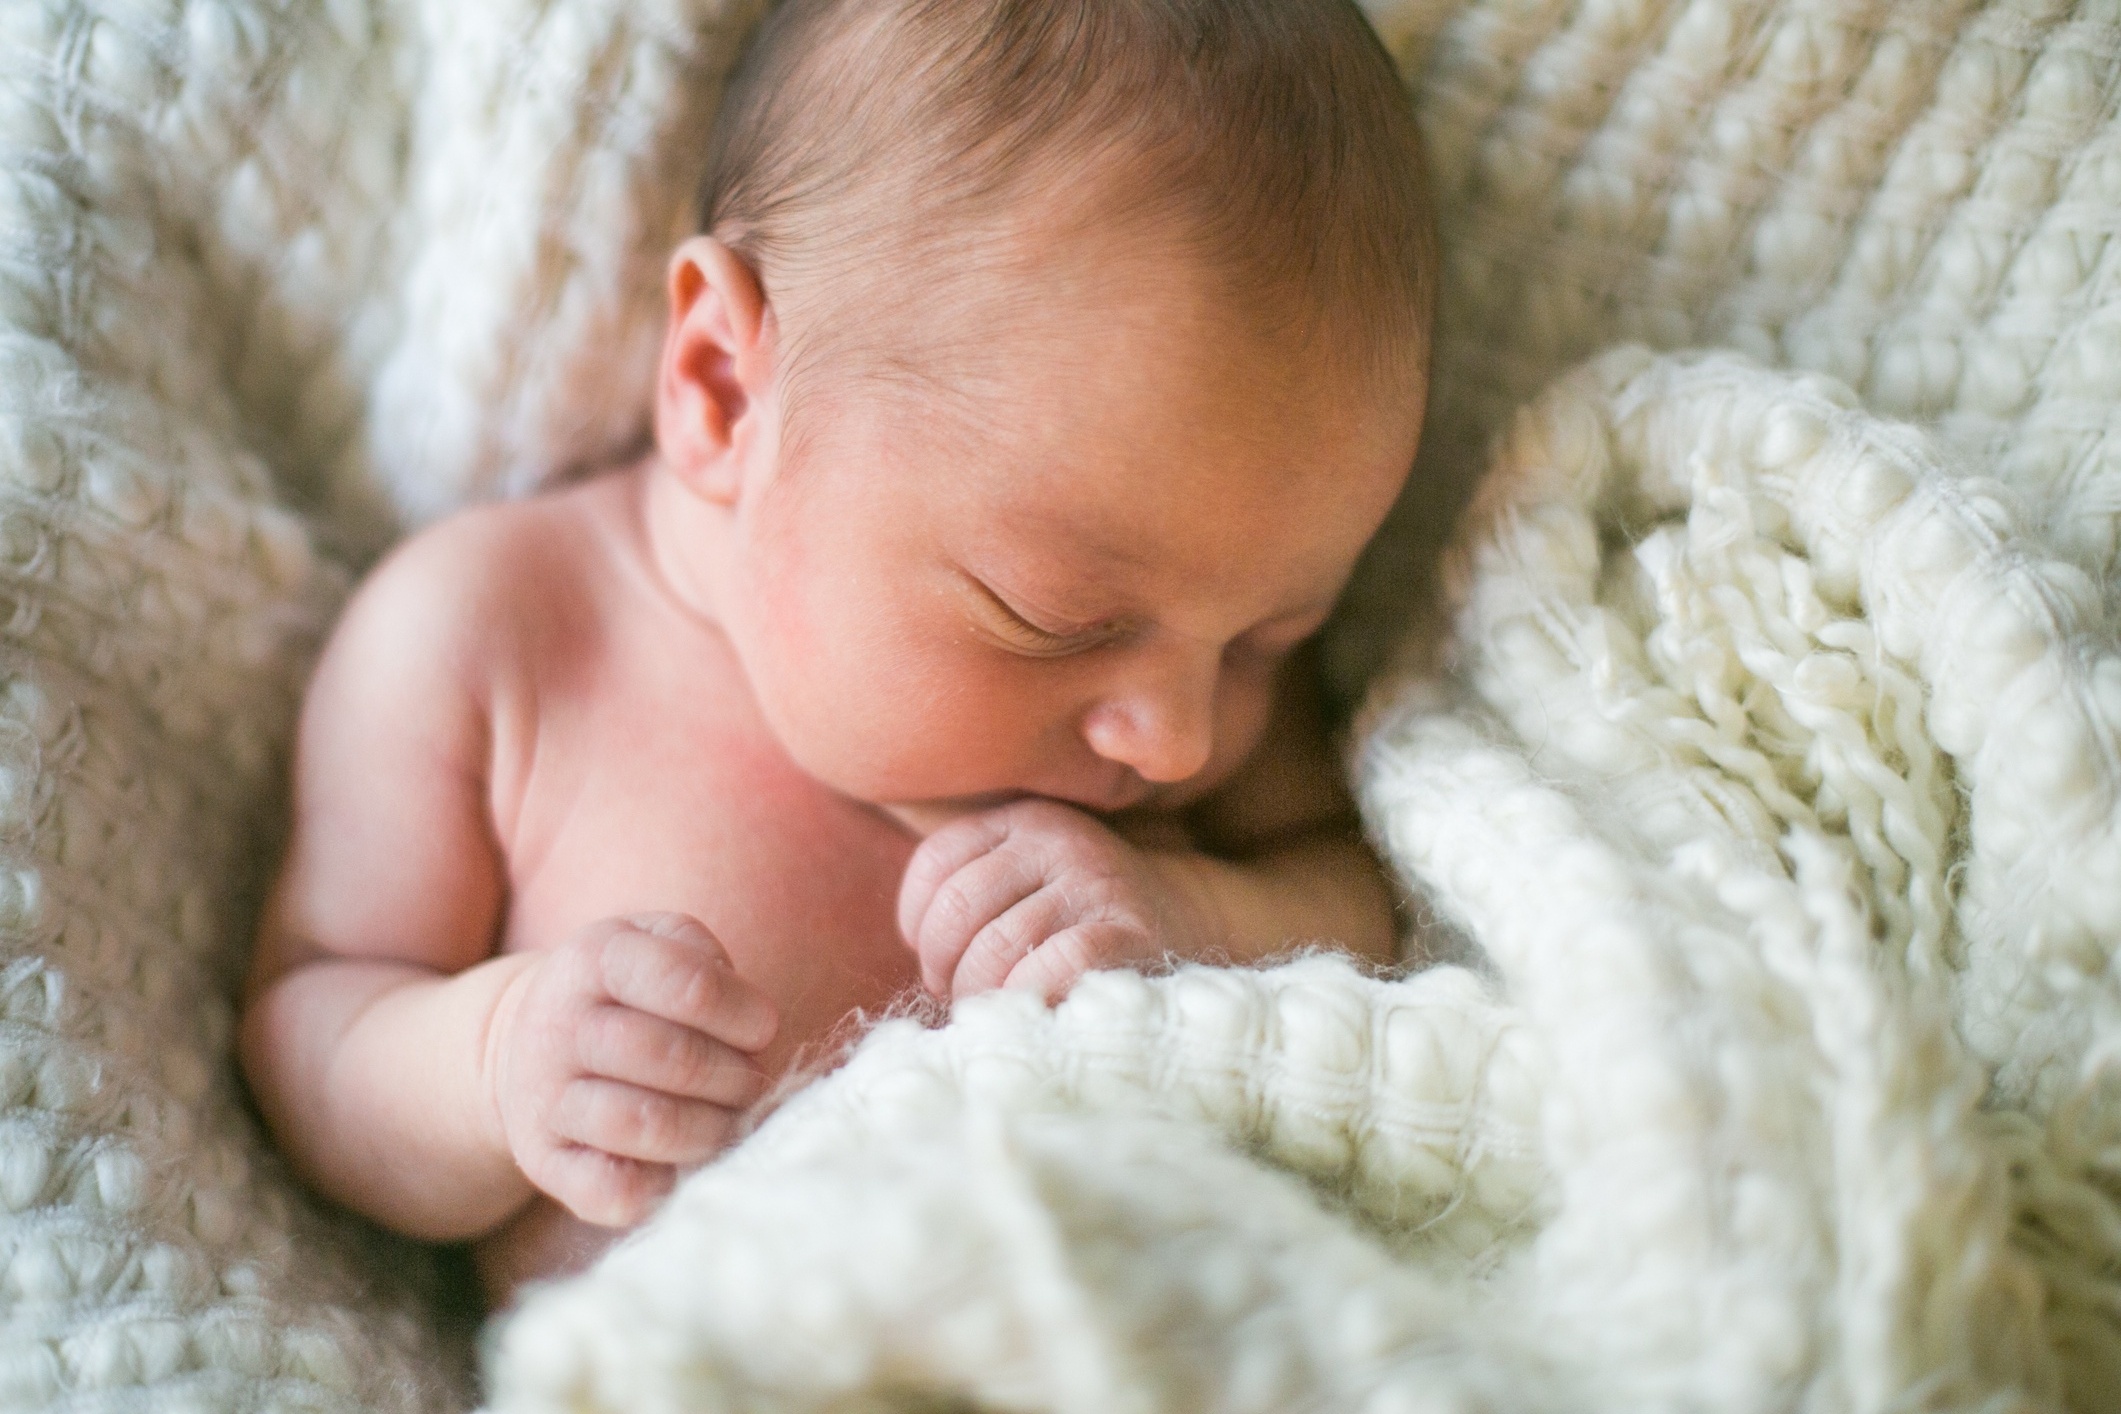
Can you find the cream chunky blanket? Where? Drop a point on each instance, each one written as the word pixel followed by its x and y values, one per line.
pixel 1763 800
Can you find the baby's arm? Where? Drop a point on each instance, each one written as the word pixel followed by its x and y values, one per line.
pixel 406 1071
pixel 1036 893
pixel 370 994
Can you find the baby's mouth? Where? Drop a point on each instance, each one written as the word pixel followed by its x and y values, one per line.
pixel 925 817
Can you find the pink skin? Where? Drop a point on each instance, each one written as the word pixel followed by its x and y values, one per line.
pixel 608 802
pixel 1093 606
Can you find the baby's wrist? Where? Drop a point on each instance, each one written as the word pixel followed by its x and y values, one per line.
pixel 1194 886
pixel 511 975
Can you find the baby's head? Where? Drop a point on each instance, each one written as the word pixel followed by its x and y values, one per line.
pixel 1043 369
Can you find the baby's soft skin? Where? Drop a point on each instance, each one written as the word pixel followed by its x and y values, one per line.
pixel 608 801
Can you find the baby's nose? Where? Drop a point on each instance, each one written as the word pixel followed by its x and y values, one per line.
pixel 1163 728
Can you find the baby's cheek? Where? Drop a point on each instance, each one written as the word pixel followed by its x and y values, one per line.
pixel 880 693
pixel 848 704
pixel 1243 715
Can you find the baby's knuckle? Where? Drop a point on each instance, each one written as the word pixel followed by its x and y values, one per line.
pixel 601 1115
pixel 926 870
pixel 703 989
pixel 669 1055
pixel 1012 935
pixel 939 852
pixel 1091 894
pixel 607 967
pixel 575 1112
pixel 692 1067
pixel 986 965
pixel 1126 905
pixel 1084 951
pixel 1051 850
pixel 955 909
pixel 644 1118
pixel 600 1038
pixel 576 966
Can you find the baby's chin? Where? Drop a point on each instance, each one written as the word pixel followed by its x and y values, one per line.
pixel 924 817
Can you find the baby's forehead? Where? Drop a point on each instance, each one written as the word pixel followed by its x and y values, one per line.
pixel 1107 469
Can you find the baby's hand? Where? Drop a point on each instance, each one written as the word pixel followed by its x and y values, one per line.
pixel 1036 893
pixel 623 1056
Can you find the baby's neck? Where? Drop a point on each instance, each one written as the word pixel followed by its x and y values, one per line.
pixel 683 539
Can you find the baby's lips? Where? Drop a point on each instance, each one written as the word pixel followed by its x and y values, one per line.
pixel 925 817
pixel 1123 790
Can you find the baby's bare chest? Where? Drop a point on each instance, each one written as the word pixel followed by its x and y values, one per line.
pixel 646 781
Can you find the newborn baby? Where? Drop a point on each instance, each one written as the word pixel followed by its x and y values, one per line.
pixel 1041 372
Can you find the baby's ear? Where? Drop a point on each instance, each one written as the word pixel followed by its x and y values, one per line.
pixel 717 364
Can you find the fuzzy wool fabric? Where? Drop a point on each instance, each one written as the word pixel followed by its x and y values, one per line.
pixel 1762 797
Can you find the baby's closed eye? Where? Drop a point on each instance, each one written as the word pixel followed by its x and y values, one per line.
pixel 1039 635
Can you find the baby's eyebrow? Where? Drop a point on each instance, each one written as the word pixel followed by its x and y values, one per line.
pixel 1083 541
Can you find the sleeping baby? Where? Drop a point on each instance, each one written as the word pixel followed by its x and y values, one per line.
pixel 1041 371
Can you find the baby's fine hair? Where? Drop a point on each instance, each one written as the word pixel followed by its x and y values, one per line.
pixel 861 142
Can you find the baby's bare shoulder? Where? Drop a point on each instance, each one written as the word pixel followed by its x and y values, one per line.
pixel 476 563
pixel 454 600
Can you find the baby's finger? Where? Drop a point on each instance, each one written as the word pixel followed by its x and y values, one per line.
pixel 941 855
pixel 679 980
pixel 619 1043
pixel 635 1123
pixel 966 902
pixel 680 928
pixel 997 948
pixel 1052 967
pixel 603 1188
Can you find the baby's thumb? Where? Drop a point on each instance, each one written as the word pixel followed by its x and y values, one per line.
pixel 681 928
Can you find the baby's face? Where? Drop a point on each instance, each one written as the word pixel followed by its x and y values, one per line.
pixel 1089 595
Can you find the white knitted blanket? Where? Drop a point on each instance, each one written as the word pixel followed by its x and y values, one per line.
pixel 1766 801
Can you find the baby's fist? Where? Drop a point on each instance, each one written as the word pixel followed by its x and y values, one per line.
pixel 1034 894
pixel 623 1056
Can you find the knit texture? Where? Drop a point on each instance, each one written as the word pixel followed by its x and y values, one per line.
pixel 1915 199
pixel 263 270
pixel 1766 797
